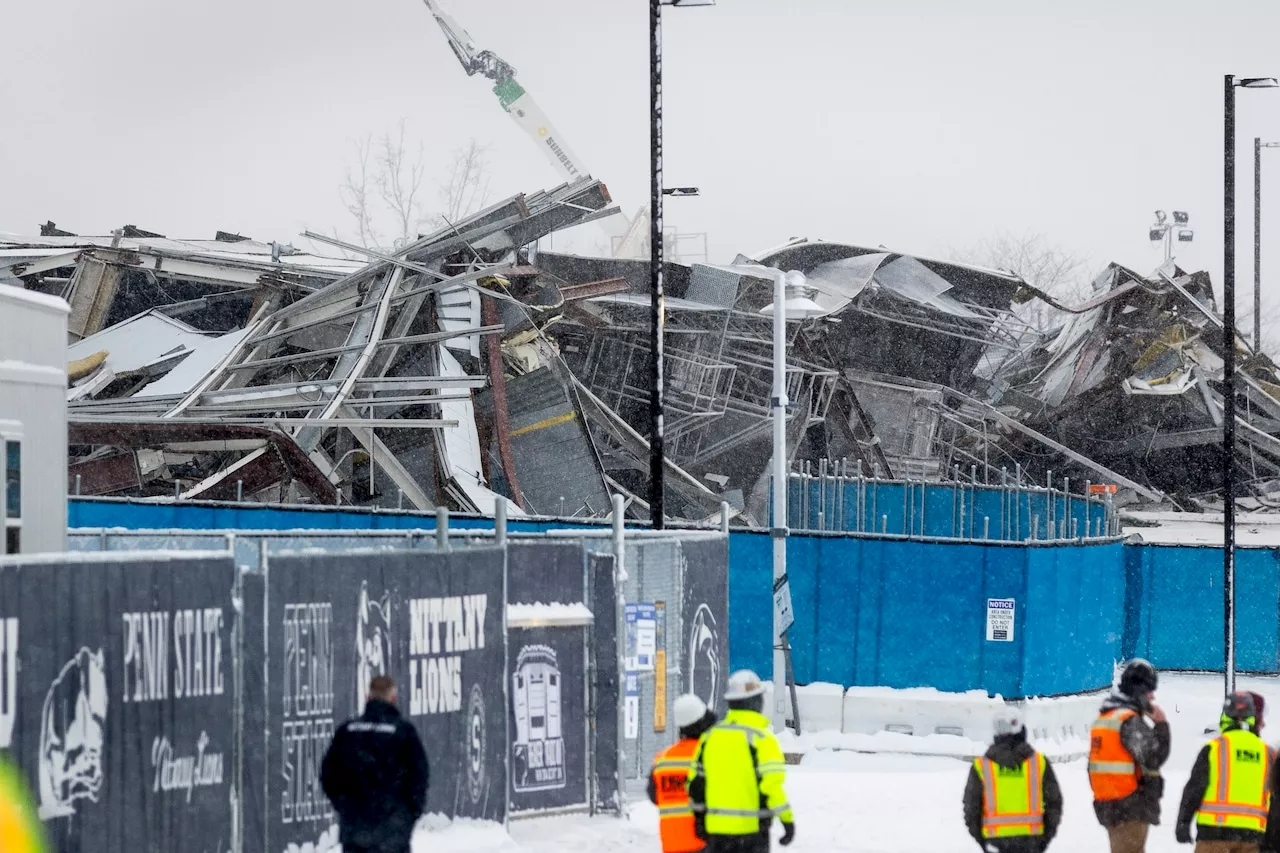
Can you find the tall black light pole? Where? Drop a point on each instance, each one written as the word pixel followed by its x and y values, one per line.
pixel 1229 369
pixel 657 309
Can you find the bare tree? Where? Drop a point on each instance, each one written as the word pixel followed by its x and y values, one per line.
pixel 400 180
pixel 382 188
pixel 355 192
pixel 467 189
pixel 1046 267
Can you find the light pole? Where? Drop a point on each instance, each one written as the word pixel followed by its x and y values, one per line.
pixel 1258 145
pixel 657 310
pixel 1230 83
pixel 789 292
pixel 1163 230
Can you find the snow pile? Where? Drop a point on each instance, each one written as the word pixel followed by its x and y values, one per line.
pixel 436 833
pixel 926 721
pixel 544 615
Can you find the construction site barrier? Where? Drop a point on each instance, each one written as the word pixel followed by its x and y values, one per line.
pixel 160 700
pixel 1174 607
pixel 898 613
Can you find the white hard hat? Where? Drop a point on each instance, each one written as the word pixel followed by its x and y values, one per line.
pixel 743 684
pixel 1007 721
pixel 688 710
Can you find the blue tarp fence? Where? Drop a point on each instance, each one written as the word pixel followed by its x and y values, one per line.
pixel 903 612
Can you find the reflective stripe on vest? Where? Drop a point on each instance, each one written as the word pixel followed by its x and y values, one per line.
pixel 1113 775
pixel 1238 793
pixel 671 769
pixel 1012 798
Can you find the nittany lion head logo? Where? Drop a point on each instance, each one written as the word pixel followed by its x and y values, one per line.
pixel 704 657
pixel 72 734
pixel 373 641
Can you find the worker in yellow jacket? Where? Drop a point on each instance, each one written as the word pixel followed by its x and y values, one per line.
pixel 735 784
pixel 20 828
pixel 1229 793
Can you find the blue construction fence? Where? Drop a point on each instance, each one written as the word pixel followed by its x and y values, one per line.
pixel 903 612
pixel 945 510
pixel 1174 607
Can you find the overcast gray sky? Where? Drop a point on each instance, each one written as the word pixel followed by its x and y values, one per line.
pixel 918 124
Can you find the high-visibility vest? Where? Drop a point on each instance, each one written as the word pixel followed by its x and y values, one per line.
pixel 1113 775
pixel 671 769
pixel 1012 797
pixel 20 829
pixel 742 768
pixel 1239 792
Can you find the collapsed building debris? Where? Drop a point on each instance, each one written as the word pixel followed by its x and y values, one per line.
pixel 470 365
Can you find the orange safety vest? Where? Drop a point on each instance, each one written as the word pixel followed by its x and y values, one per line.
pixel 1113 775
pixel 671 769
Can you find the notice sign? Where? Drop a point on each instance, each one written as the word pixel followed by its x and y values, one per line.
pixel 642 636
pixel 1000 620
pixel 782 614
pixel 631 706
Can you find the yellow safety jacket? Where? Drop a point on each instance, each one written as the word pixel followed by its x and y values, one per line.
pixel 1239 791
pixel 737 775
pixel 20 828
pixel 1012 797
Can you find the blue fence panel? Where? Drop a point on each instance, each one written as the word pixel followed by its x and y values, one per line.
pixel 1174 607
pixel 751 602
pixel 1075 617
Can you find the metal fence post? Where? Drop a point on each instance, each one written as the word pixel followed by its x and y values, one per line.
pixel 442 528
pixel 500 521
pixel 619 580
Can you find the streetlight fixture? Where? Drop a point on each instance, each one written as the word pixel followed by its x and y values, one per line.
pixel 1258 145
pixel 657 310
pixel 1165 230
pixel 1230 84
pixel 790 292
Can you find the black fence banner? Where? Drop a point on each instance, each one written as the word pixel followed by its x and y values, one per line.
pixel 548 718
pixel 542 572
pixel 705 617
pixel 431 620
pixel 118 697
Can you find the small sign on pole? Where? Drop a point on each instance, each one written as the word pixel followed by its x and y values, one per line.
pixel 1000 619
pixel 783 617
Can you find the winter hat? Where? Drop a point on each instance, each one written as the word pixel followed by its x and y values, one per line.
pixel 1259 704
pixel 1006 722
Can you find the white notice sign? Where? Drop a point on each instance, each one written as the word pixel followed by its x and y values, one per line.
pixel 1000 620
pixel 632 724
pixel 782 615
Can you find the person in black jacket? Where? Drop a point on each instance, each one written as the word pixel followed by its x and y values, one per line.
pixel 1010 749
pixel 375 774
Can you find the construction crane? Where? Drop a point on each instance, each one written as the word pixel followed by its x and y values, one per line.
pixel 627 238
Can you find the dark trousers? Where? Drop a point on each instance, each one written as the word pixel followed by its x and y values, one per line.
pixel 395 848
pixel 755 843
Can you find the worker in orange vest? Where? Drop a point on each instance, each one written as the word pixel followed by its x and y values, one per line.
pixel 670 776
pixel 1126 753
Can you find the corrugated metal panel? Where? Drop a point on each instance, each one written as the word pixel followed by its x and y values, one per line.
pixel 553 456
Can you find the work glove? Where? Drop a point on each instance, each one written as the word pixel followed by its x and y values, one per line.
pixel 1182 832
pixel 788 834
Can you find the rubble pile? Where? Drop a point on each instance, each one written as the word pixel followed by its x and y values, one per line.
pixel 469 365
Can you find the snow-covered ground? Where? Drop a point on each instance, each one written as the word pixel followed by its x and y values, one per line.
pixel 869 803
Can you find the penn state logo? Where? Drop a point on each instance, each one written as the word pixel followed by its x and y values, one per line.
pixel 475 740
pixel 704 657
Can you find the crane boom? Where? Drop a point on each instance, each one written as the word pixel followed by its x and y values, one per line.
pixel 517 103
